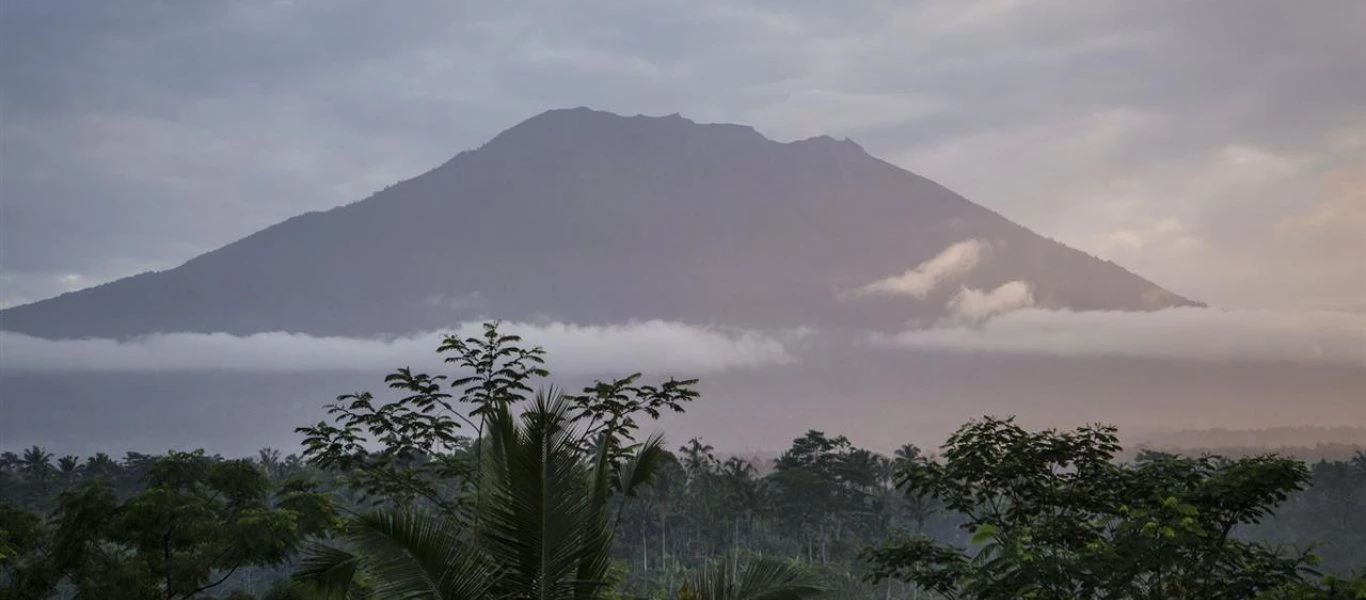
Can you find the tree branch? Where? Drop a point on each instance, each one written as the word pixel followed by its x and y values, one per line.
pixel 211 585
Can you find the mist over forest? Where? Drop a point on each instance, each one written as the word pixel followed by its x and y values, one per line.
pixel 486 481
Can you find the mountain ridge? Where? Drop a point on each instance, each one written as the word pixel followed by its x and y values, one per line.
pixel 587 216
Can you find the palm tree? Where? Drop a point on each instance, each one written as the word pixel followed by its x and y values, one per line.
pixel 863 471
pixel 906 453
pixel 920 506
pixel 541 525
pixel 738 469
pixel 698 457
pixel 269 459
pixel 743 493
pixel 68 469
pixel 36 465
pixel 102 467
pixel 755 579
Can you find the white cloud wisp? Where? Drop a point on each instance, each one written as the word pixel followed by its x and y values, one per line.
pixel 572 349
pixel 953 262
pixel 976 306
pixel 1323 337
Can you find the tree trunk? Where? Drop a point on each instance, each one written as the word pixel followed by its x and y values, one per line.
pixel 735 540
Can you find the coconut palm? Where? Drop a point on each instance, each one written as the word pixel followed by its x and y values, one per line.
pixel 102 467
pixel 68 470
pixel 697 457
pixel 269 459
pixel 540 527
pixel 399 554
pixel 36 465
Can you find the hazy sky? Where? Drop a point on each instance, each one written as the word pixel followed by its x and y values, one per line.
pixel 1217 148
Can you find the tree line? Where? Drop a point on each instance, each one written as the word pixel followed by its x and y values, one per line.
pixel 487 483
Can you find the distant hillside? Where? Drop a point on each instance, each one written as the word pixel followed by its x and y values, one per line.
pixel 591 217
pixel 1265 438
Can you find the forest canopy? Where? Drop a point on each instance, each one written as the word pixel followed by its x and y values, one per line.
pixel 489 482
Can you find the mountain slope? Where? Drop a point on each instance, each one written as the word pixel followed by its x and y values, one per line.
pixel 590 217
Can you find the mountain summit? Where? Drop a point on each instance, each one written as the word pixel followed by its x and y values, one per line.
pixel 590 217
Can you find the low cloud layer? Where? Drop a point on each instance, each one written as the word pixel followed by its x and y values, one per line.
pixel 660 346
pixel 1337 338
pixel 953 262
pixel 976 306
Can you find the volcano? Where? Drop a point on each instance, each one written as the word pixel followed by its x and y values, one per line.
pixel 584 216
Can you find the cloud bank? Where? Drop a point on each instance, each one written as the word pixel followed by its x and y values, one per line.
pixel 573 349
pixel 976 306
pixel 953 262
pixel 1336 338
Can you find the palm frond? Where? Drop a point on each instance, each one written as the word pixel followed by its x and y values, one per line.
pixel 539 517
pixel 540 527
pixel 647 461
pixel 328 570
pixel 417 554
pixel 595 556
pixel 755 579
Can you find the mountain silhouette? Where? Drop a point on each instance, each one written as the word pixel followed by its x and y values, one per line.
pixel 589 217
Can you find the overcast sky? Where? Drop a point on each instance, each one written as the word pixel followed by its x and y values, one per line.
pixel 1217 148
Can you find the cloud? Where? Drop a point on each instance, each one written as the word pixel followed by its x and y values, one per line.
pixel 976 306
pixel 1167 233
pixel 953 262
pixel 1212 222
pixel 573 349
pixel 1338 216
pixel 1200 334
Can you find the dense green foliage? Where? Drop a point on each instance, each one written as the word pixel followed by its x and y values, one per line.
pixel 538 527
pixel 193 523
pixel 526 508
pixel 1053 516
pixel 474 485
